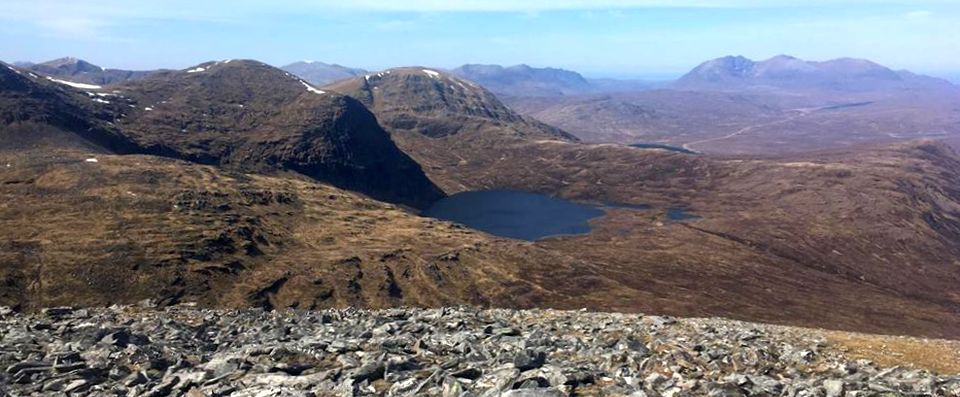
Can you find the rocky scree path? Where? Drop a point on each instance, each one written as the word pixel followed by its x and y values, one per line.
pixel 147 351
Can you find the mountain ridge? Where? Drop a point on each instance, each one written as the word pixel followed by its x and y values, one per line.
pixel 80 71
pixel 523 80
pixel 787 72
pixel 249 116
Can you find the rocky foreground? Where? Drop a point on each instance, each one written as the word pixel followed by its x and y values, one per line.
pixel 145 351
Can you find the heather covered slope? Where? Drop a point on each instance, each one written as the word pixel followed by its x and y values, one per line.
pixel 125 228
pixel 847 240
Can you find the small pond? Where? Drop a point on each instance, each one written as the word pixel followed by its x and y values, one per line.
pixel 519 215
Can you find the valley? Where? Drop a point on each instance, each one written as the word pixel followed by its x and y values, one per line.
pixel 778 106
pixel 759 213
pixel 794 231
pixel 491 198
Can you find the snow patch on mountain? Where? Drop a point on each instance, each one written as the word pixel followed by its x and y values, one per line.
pixel 75 85
pixel 311 88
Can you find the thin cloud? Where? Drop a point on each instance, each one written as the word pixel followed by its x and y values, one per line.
pixel 72 27
pixel 559 5
pixel 919 14
pixel 92 16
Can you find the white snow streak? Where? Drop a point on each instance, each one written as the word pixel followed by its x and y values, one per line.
pixel 431 73
pixel 310 88
pixel 75 85
pixel 92 160
pixel 197 69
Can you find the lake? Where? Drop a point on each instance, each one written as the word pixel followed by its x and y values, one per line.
pixel 519 215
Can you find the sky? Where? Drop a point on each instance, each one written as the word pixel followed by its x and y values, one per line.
pixel 599 38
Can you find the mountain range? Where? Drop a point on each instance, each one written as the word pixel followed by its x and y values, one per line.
pixel 787 72
pixel 527 81
pixel 234 184
pixel 733 105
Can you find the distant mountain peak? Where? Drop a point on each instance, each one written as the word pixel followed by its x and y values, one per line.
pixel 728 66
pixel 783 57
pixel 75 65
pixel 784 71
pixel 63 61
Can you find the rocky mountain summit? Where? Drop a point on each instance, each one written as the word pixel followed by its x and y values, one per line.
pixel 438 104
pixel 144 351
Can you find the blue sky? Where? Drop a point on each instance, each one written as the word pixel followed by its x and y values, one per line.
pixel 626 38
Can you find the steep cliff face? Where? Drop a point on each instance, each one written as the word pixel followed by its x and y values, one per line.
pixel 250 116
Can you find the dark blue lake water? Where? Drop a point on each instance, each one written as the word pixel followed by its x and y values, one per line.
pixel 519 215
pixel 680 214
